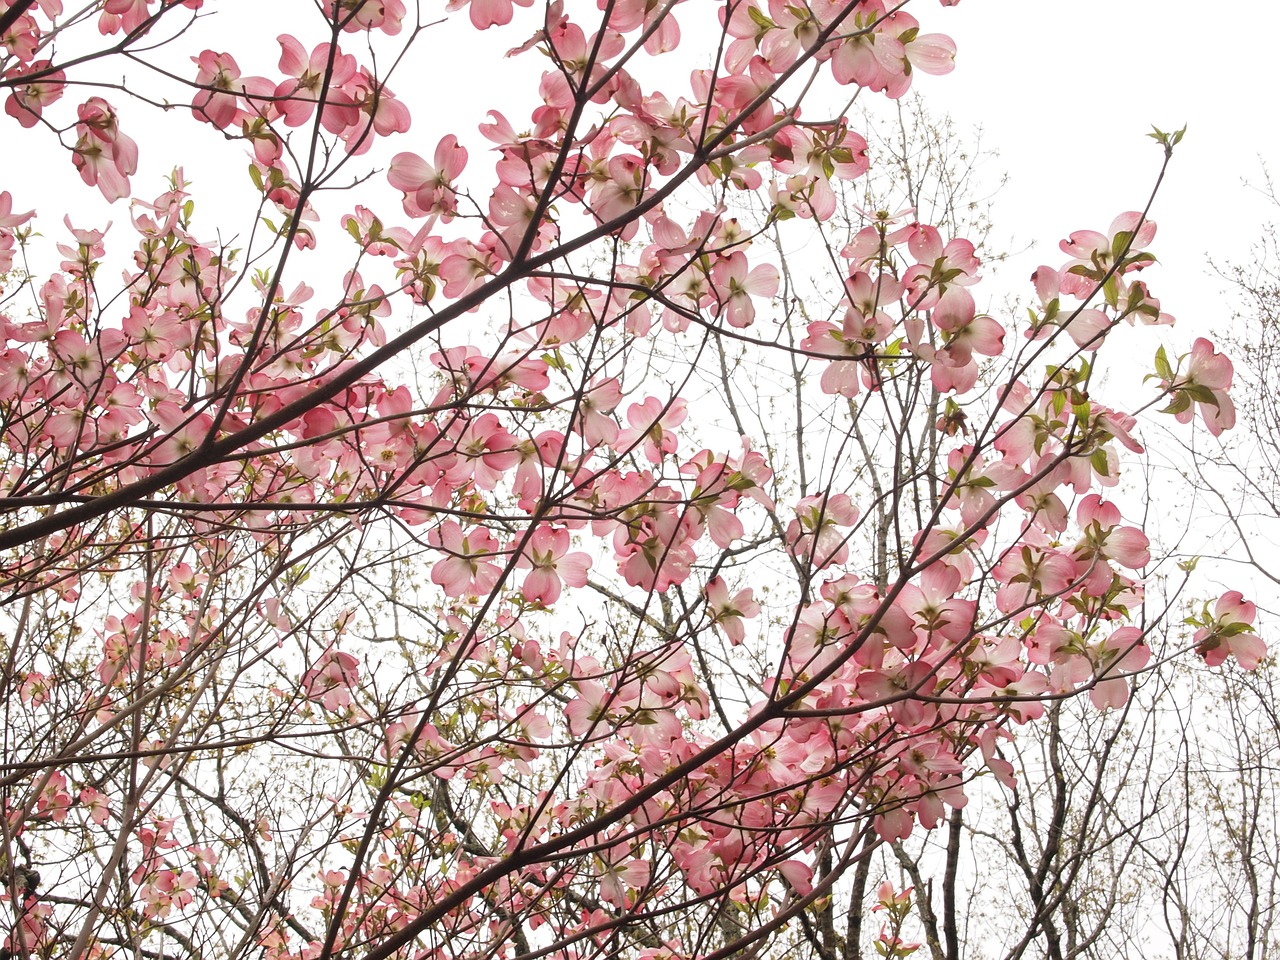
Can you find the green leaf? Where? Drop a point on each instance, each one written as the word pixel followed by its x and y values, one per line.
pixel 1111 290
pixel 1140 259
pixel 1234 629
pixel 1201 394
pixel 1098 460
pixel 1167 140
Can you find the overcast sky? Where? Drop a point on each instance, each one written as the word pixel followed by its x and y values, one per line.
pixel 1066 92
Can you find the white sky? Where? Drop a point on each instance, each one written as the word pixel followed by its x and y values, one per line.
pixel 1066 92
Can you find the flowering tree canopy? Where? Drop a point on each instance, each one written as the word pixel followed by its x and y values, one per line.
pixel 501 542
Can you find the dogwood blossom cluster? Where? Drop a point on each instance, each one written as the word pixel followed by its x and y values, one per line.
pixel 556 561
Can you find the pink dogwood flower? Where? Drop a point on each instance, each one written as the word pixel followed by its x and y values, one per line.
pixel 552 565
pixel 727 612
pixel 814 535
pixel 1228 631
pixel 428 187
pixel 329 682
pixel 1204 384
